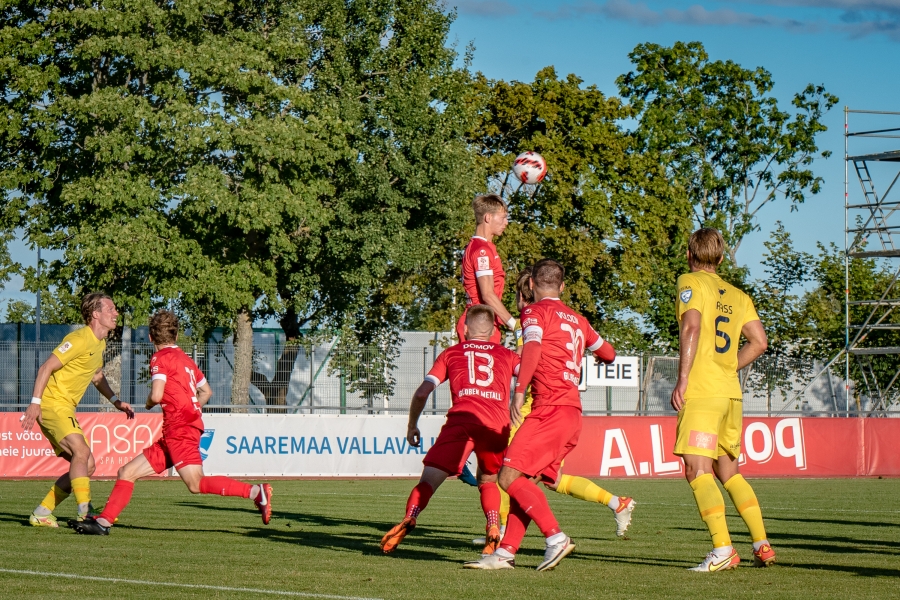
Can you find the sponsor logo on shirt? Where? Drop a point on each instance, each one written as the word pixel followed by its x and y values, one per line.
pixel 487 394
pixel 686 296
pixel 65 347
pixel 484 263
pixel 528 322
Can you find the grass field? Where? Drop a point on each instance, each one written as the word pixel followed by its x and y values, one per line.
pixel 834 538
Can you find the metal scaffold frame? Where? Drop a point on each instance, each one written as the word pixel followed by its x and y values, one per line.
pixel 871 230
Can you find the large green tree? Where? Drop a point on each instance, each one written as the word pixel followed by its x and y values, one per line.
pixel 606 209
pixel 240 159
pixel 724 137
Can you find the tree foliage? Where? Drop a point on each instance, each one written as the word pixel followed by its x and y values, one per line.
pixel 723 135
pixel 606 210
pixel 240 159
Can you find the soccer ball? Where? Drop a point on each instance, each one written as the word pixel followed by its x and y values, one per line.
pixel 530 167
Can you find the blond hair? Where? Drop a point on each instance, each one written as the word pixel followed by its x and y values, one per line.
pixel 487 204
pixel 707 247
pixel 480 317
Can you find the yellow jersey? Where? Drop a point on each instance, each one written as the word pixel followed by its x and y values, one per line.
pixel 81 354
pixel 724 310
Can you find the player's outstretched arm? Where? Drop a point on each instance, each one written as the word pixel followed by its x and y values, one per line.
pixel 486 291
pixel 33 412
pixel 757 343
pixel 102 385
pixel 688 338
pixel 419 399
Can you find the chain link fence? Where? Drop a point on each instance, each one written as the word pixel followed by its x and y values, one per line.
pixel 331 378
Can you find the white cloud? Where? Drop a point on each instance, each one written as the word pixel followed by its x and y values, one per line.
pixel 484 8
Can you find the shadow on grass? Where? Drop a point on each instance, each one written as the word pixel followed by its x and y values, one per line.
pixel 19 519
pixel 835 522
pixel 853 570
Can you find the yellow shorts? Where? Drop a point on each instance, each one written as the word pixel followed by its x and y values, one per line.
pixel 58 422
pixel 710 427
pixel 526 409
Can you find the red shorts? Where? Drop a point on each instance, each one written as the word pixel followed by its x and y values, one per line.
pixel 177 448
pixel 548 434
pixel 457 440
pixel 461 329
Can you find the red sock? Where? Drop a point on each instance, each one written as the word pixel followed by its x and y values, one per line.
pixel 224 486
pixel 118 500
pixel 418 499
pixel 516 524
pixel 534 503
pixel 490 503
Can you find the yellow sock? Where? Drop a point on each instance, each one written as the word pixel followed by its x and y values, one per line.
pixel 747 505
pixel 583 489
pixel 81 487
pixel 712 508
pixel 54 497
pixel 504 506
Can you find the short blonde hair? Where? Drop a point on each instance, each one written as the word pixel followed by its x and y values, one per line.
pixel 480 317
pixel 484 205
pixel 707 247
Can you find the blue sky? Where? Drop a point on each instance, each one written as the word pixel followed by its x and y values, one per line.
pixel 850 46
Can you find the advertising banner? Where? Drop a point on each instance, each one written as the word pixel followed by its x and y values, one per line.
pixel 376 446
pixel 114 441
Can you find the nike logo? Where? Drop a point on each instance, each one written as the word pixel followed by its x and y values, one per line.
pixel 724 563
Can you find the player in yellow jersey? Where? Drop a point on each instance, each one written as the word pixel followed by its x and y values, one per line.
pixel 570 485
pixel 60 384
pixel 712 316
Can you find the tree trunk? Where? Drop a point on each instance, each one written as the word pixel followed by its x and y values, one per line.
pixel 243 361
pixel 275 390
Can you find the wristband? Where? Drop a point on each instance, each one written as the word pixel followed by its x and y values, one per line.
pixel 114 399
pixel 511 324
pixel 35 400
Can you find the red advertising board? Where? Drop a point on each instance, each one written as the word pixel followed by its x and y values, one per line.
pixel 114 441
pixel 609 446
pixel 771 447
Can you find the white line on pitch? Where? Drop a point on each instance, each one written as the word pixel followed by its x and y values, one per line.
pixel 183 585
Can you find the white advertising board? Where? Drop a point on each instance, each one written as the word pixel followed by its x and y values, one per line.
pixel 314 445
pixel 624 372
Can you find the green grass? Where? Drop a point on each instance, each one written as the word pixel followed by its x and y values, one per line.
pixel 834 538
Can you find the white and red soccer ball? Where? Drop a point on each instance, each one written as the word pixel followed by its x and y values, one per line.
pixel 530 168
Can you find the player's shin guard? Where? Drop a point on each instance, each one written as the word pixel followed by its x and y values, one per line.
pixel 54 497
pixel 712 508
pixel 747 505
pixel 118 500
pixel 515 528
pixel 532 500
pixel 81 487
pixel 224 486
pixel 504 507
pixel 418 499
pixel 583 489
pixel 490 502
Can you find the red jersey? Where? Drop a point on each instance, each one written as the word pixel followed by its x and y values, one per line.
pixel 182 378
pixel 480 258
pixel 480 374
pixel 562 335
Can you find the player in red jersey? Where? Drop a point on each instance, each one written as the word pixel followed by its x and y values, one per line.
pixel 178 385
pixel 480 372
pixel 482 270
pixel 555 340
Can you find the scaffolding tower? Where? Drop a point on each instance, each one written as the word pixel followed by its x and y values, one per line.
pixel 872 231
